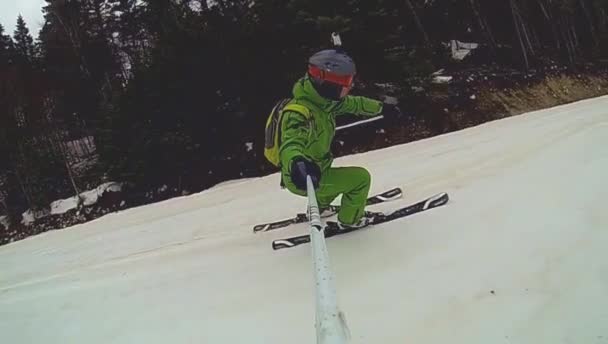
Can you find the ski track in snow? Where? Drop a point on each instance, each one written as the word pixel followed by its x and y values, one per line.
pixel 519 255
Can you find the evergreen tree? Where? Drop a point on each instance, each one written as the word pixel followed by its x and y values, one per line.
pixel 24 43
pixel 7 138
pixel 6 48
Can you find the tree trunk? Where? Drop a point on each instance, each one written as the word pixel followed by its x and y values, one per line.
pixel 524 28
pixel 75 45
pixel 590 21
pixel 567 41
pixel 551 22
pixel 485 29
pixel 535 39
pixel 64 155
pixel 602 19
pixel 427 42
pixel 22 183
pixel 526 36
pixel 109 41
pixel 574 36
pixel 519 36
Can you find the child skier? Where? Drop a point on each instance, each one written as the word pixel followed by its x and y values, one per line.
pixel 305 128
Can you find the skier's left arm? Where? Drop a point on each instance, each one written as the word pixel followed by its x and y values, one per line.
pixel 363 106
pixel 357 105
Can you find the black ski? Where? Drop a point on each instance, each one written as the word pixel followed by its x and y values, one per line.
pixel 386 196
pixel 377 218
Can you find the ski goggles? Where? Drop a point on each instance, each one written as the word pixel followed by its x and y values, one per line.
pixel 345 81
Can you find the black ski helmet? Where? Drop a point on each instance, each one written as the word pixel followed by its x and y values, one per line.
pixel 332 73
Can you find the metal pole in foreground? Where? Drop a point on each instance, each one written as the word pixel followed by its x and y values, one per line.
pixel 330 321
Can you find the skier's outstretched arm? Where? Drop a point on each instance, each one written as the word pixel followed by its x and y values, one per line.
pixel 358 105
pixel 363 106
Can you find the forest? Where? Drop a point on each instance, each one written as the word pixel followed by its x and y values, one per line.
pixel 175 93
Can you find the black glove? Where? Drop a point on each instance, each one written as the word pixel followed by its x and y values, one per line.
pixel 391 111
pixel 300 168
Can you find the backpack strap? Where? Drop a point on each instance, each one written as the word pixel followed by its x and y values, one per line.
pixel 301 109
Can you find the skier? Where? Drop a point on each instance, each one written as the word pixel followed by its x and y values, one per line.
pixel 305 127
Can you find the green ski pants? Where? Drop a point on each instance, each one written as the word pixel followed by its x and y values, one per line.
pixel 352 183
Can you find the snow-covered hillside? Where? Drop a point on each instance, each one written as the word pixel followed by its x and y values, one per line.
pixel 519 255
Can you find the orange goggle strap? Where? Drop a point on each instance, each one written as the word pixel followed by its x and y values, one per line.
pixel 342 80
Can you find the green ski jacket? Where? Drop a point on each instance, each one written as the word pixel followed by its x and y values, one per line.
pixel 312 137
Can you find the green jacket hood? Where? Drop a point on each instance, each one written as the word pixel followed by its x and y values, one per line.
pixel 303 90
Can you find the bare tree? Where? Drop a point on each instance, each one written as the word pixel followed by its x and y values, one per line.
pixel 566 34
pixel 427 41
pixel 483 27
pixel 521 32
pixel 547 13
pixel 589 21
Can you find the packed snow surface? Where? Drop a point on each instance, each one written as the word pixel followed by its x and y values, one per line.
pixel 519 255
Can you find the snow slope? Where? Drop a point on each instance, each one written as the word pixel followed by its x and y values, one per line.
pixel 519 255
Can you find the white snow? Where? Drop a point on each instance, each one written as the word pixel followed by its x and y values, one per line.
pixel 64 205
pixel 82 147
pixel 4 221
pixel 30 216
pixel 89 198
pixel 439 72
pixel 390 100
pixel 517 256
pixel 387 86
pixel 441 79
pixel 460 50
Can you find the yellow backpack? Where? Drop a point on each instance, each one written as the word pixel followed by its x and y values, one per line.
pixel 273 128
